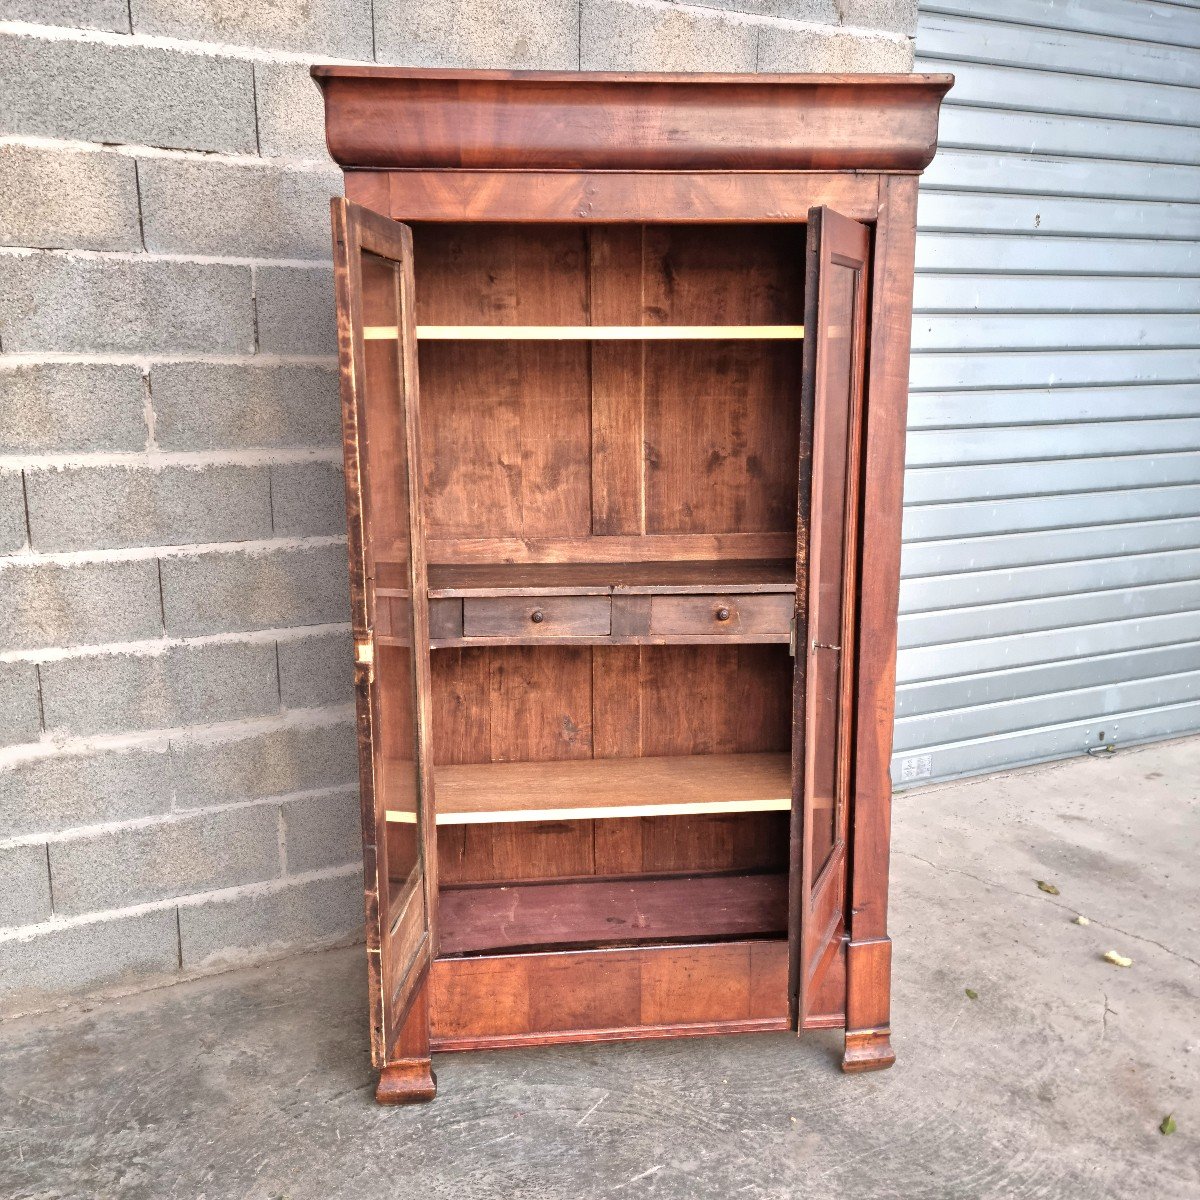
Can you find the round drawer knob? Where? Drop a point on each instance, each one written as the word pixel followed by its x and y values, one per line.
pixel 722 614
pixel 537 616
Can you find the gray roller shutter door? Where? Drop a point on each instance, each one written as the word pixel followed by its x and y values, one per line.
pixel 1051 593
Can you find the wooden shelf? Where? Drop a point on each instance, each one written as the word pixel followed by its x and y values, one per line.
pixel 589 333
pixel 595 788
pixel 603 579
pixel 477 920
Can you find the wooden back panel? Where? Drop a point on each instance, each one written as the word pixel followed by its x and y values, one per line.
pixel 553 442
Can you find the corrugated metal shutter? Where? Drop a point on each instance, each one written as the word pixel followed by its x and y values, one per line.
pixel 1051 594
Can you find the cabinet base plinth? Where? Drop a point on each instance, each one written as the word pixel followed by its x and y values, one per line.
pixel 406 1083
pixel 869 1050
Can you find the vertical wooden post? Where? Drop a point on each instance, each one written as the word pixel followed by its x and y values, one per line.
pixel 407 1076
pixel 869 953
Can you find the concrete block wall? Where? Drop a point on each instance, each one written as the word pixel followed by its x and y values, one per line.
pixel 177 763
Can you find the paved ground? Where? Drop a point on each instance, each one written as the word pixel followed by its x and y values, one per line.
pixel 1051 1084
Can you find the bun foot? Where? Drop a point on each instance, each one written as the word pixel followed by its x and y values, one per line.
pixel 407 1083
pixel 870 1050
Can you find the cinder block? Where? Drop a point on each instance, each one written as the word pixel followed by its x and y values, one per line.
pixel 182 685
pixel 297 758
pixel 254 211
pixel 83 508
pixel 291 114
pixel 296 310
pixel 228 591
pixel 112 15
pixel 316 671
pixel 645 35
pixel 308 499
pixel 25 896
pixel 784 48
pixel 340 28
pixel 137 95
pixel 13 533
pixel 121 952
pixel 322 831
pixel 56 302
pixel 200 853
pixel 63 791
pixel 133 94
pixel 894 16
pixel 20 712
pixel 88 603
pixel 320 912
pixel 55 408
pixel 540 35
pixel 86 201
pixel 205 406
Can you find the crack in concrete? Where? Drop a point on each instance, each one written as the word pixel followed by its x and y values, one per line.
pixel 1104 1017
pixel 1137 937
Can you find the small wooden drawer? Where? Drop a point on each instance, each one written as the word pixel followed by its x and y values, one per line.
pixel 538 617
pixel 768 614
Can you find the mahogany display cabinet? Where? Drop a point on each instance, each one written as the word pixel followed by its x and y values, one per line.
pixel 624 362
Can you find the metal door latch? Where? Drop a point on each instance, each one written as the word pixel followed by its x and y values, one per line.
pixel 825 646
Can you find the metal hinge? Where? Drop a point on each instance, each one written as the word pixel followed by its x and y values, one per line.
pixel 825 646
pixel 792 637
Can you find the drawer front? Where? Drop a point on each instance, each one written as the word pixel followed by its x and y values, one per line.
pixel 445 619
pixel 538 617
pixel 731 615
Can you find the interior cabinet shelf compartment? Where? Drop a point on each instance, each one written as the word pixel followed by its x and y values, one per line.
pixel 624 374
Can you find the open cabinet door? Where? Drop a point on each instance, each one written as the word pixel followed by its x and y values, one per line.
pixel 390 613
pixel 833 375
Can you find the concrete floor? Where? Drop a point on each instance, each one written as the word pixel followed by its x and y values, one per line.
pixel 256 1084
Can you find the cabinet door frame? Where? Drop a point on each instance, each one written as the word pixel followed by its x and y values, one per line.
pixel 397 988
pixel 826 641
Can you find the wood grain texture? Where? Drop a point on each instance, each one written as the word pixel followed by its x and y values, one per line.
pixel 592 333
pixel 540 617
pixel 834 380
pixel 601 579
pixel 723 613
pixel 612 912
pixel 608 994
pixel 695 547
pixel 407 1076
pixel 868 1037
pixel 373 281
pixel 404 117
pixel 592 197
pixel 613 788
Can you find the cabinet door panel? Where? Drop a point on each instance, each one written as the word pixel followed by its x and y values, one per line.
pixel 377 351
pixel 834 359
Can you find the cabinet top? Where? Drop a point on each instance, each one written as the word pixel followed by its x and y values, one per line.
pixel 399 117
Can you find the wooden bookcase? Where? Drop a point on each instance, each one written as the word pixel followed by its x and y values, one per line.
pixel 624 366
